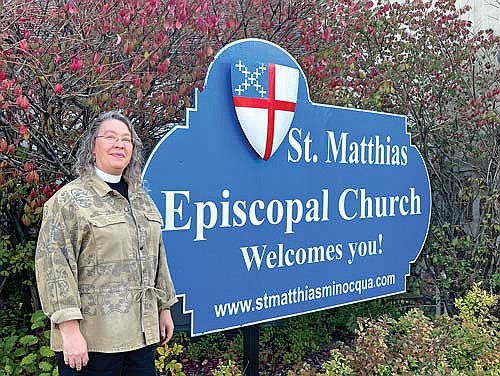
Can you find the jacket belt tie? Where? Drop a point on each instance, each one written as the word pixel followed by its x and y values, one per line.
pixel 157 293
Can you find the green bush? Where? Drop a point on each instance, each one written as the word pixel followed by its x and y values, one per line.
pixel 227 369
pixel 166 362
pixel 475 339
pixel 213 345
pixel 414 344
pixel 286 344
pixel 338 365
pixel 282 344
pixel 28 354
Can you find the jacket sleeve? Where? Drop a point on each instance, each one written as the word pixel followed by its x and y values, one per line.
pixel 164 281
pixel 55 264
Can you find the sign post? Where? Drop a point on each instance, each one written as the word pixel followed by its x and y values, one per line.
pixel 251 350
pixel 275 206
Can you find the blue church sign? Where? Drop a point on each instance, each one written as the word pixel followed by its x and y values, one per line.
pixel 274 206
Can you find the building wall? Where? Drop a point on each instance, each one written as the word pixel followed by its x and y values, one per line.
pixel 485 14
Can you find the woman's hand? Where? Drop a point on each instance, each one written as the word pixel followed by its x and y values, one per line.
pixel 74 345
pixel 166 326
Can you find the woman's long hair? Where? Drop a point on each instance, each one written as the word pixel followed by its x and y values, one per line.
pixel 85 157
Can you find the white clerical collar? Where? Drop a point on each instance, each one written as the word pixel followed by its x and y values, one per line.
pixel 108 178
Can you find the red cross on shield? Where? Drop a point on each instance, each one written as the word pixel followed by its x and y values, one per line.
pixel 264 97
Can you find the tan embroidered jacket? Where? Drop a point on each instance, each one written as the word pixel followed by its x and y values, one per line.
pixel 101 260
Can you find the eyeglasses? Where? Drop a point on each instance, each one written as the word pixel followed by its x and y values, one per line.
pixel 112 140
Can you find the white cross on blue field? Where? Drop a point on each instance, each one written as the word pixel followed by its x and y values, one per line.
pixel 250 85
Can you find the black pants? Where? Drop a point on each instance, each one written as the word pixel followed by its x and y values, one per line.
pixel 138 362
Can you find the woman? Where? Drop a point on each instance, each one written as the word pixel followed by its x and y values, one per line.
pixel 100 263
